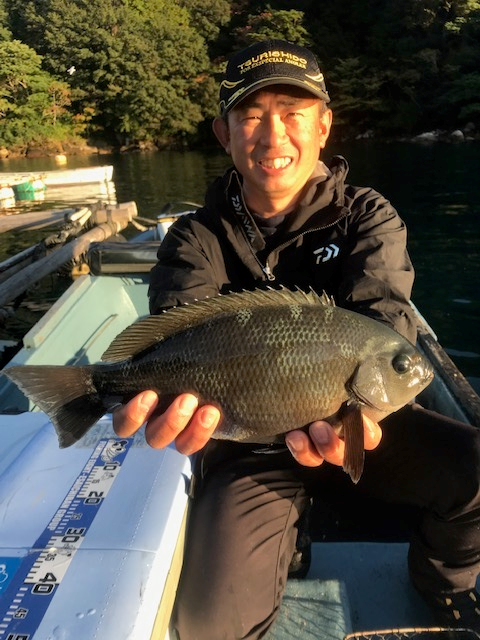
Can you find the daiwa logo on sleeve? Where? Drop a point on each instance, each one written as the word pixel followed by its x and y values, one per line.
pixel 324 254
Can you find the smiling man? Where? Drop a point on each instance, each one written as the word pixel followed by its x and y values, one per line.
pixel 273 137
pixel 280 216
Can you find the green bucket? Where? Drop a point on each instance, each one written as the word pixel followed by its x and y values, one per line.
pixel 29 190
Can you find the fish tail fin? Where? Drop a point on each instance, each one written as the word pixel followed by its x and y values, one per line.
pixel 66 394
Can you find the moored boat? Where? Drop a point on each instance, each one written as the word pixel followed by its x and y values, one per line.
pixel 31 189
pixel 112 571
pixel 7 197
pixel 62 177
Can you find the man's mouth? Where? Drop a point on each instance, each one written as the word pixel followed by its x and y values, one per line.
pixel 276 163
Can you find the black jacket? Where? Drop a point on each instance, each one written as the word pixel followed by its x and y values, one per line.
pixel 345 240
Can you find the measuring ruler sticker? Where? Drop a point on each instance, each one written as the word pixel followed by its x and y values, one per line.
pixel 8 568
pixel 31 582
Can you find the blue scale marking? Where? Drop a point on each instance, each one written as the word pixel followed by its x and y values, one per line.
pixel 28 585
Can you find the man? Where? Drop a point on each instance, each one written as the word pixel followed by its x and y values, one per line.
pixel 280 216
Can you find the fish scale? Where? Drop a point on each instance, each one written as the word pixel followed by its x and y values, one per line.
pixel 244 367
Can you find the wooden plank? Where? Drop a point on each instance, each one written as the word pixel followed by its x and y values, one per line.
pixel 32 220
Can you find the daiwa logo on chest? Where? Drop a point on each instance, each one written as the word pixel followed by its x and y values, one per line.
pixel 324 254
pixel 247 224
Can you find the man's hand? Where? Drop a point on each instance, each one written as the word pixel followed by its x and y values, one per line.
pixel 191 427
pixel 322 443
pixel 184 422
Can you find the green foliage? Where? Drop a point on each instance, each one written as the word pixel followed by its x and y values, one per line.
pixel 137 66
pixel 410 52
pixel 5 33
pixel 208 16
pixel 359 92
pixel 462 98
pixel 30 104
pixel 134 70
pixel 273 23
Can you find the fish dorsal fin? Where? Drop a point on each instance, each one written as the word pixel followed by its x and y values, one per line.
pixel 148 331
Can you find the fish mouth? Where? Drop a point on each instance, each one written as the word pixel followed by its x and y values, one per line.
pixel 357 398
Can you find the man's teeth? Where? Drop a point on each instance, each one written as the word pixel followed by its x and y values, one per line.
pixel 276 163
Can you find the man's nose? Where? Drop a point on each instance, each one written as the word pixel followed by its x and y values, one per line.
pixel 274 131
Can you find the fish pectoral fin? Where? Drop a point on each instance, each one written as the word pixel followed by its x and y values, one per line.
pixel 354 444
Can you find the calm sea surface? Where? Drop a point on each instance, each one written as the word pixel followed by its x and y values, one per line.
pixel 435 188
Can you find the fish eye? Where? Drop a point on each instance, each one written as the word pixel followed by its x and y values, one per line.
pixel 401 363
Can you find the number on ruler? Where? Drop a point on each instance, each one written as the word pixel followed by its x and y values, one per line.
pixel 94 497
pixel 43 589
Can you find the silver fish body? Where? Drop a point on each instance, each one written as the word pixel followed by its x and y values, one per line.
pixel 272 361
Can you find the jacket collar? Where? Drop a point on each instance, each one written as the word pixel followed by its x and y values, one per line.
pixel 321 202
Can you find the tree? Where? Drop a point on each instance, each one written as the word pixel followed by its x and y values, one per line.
pixel 272 23
pixel 355 83
pixel 208 16
pixel 26 97
pixel 139 65
pixel 145 69
pixel 5 33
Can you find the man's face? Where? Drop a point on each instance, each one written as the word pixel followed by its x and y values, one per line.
pixel 274 137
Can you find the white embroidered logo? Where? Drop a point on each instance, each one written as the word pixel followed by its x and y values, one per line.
pixel 324 254
pixel 237 205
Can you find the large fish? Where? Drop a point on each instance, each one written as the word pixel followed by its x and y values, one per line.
pixel 271 360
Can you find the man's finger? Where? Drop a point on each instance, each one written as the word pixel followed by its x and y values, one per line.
pixel 372 433
pixel 302 449
pixel 163 429
pixel 128 418
pixel 199 431
pixel 326 442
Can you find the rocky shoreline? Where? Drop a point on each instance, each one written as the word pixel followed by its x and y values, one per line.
pixel 54 149
pixel 469 133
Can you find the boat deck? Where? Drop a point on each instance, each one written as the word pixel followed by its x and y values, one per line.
pixel 351 586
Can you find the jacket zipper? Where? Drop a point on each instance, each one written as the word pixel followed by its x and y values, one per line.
pixel 268 271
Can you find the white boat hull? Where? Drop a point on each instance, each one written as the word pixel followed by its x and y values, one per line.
pixel 62 177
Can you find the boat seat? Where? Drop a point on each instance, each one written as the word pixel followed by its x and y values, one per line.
pixel 122 257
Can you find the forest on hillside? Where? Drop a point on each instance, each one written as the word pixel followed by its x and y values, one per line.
pixel 139 72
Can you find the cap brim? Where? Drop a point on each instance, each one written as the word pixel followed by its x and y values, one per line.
pixel 266 82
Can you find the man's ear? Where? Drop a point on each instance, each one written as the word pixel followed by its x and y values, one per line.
pixel 325 126
pixel 220 129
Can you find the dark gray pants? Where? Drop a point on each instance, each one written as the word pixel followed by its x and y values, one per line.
pixel 242 526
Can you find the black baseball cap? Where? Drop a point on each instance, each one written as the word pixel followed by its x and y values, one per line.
pixel 270 62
